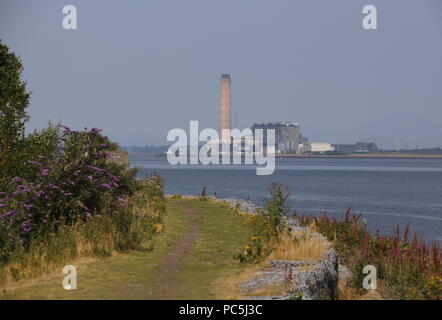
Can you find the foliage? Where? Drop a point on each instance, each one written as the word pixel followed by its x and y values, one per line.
pixel 61 193
pixel 410 268
pixel 71 184
pixel 14 101
pixel 268 225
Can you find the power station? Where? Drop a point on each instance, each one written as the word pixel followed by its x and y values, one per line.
pixel 288 138
pixel 225 105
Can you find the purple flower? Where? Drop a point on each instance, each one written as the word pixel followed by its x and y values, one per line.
pixel 96 130
pixel 68 194
pixel 39 193
pixel 26 226
pixel 2 205
pixel 95 168
pixel 28 206
pixel 45 172
pixel 65 129
pixel 106 185
pixel 34 163
pixel 8 214
pixel 89 178
pixel 16 179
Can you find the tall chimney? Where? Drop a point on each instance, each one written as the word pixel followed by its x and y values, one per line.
pixel 225 104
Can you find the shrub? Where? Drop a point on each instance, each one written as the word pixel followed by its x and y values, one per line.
pixel 268 225
pixel 410 268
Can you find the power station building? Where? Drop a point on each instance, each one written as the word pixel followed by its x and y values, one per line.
pixel 287 135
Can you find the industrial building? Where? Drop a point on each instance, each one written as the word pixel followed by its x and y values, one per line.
pixel 287 135
pixel 360 147
pixel 320 147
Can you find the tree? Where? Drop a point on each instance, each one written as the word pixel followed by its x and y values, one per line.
pixel 276 207
pixel 14 100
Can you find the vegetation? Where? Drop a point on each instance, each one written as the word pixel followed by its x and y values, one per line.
pixel 61 195
pixel 409 268
pixel 14 101
pixel 211 236
pixel 268 225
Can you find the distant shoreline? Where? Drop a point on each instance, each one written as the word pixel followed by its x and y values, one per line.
pixel 365 155
pixel 337 156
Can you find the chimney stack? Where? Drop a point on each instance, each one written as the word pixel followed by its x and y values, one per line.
pixel 225 104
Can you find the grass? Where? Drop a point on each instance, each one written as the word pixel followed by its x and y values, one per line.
pixel 209 261
pixel 212 257
pixel 306 246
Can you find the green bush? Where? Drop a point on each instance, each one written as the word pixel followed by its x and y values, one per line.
pixel 267 225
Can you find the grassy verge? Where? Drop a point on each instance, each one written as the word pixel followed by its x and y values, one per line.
pixel 201 269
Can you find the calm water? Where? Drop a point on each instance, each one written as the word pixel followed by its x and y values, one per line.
pixel 387 192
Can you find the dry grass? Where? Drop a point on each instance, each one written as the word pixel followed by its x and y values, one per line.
pixel 276 289
pixel 306 246
pixel 347 293
pixel 228 287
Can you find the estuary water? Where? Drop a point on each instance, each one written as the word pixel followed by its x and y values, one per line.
pixel 387 192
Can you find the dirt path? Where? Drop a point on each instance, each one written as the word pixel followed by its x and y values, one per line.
pixel 190 258
pixel 165 284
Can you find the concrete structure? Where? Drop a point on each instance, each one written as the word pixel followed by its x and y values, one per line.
pixel 360 147
pixel 225 104
pixel 321 147
pixel 287 135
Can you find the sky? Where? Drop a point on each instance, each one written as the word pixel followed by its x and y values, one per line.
pixel 140 68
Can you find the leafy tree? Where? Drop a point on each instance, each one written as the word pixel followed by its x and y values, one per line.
pixel 14 100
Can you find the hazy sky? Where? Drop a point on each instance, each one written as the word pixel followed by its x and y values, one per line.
pixel 140 68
